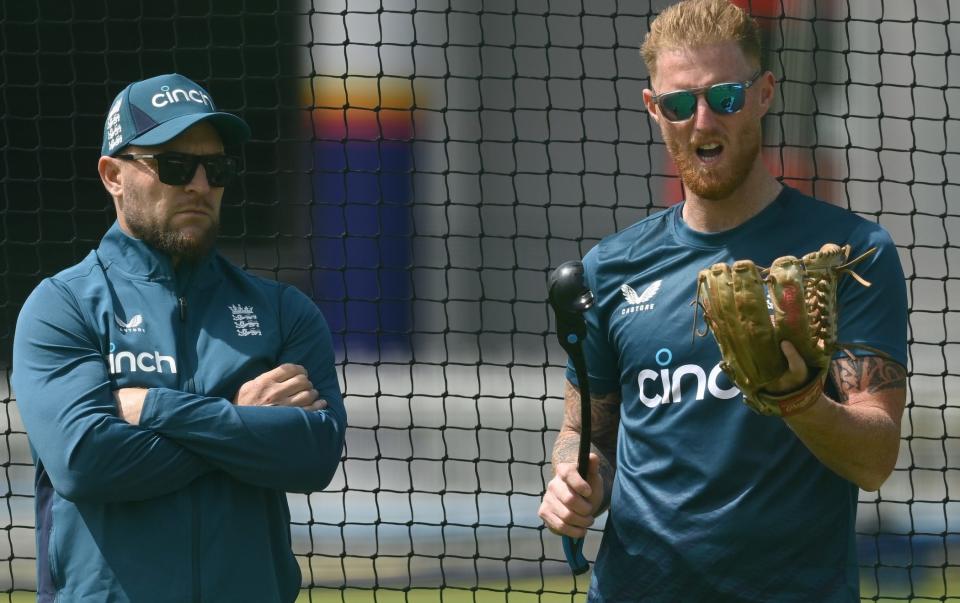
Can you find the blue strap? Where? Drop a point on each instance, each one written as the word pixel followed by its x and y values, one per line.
pixel 573 549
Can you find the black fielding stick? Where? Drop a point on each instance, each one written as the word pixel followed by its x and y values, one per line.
pixel 570 298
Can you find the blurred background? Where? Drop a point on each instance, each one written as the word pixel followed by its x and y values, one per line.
pixel 418 167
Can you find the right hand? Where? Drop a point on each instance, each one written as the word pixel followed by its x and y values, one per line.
pixel 286 385
pixel 570 502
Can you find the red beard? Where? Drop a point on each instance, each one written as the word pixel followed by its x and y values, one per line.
pixel 719 181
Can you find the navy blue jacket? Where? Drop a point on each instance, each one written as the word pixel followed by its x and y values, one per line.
pixel 190 504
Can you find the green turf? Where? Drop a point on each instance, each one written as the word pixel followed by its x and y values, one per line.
pixel 558 590
pixel 930 587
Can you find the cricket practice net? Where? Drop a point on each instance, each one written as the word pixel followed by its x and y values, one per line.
pixel 418 167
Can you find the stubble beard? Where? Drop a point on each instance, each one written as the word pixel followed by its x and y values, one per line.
pixel 715 183
pixel 160 235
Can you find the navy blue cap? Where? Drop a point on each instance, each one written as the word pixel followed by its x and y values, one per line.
pixel 153 111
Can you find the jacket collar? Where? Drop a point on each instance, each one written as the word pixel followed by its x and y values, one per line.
pixel 140 261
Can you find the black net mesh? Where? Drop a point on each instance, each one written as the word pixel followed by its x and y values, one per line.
pixel 418 168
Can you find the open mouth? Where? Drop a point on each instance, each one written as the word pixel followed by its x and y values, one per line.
pixel 710 151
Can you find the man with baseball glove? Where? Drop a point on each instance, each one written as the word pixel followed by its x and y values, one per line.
pixel 730 462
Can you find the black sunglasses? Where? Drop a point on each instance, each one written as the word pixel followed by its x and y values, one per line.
pixel 724 99
pixel 178 169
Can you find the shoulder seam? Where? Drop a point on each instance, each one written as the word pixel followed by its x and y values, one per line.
pixel 87 319
pixel 61 278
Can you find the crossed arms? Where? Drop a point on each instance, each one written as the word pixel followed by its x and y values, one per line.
pixel 157 441
pixel 286 385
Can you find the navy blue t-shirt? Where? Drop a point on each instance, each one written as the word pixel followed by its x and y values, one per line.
pixel 712 502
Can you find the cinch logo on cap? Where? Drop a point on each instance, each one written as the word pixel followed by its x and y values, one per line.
pixel 167 96
pixel 154 111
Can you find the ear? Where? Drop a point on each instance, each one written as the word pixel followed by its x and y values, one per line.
pixel 111 176
pixel 767 86
pixel 651 106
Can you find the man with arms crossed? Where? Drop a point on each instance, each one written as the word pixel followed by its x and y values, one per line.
pixel 709 501
pixel 170 398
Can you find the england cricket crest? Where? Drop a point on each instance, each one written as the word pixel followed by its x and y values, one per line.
pixel 245 320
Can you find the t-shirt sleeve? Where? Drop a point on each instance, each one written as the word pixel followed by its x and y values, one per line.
pixel 599 354
pixel 874 316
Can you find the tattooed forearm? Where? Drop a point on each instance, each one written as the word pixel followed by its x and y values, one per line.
pixel 566 448
pixel 605 422
pixel 604 417
pixel 866 374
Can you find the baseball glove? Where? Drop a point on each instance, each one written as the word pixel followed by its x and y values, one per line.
pixel 751 310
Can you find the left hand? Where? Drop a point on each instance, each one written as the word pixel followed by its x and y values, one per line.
pixel 797 375
pixel 130 403
pixel 286 385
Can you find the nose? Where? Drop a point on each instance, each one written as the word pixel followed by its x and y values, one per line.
pixel 704 118
pixel 199 182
